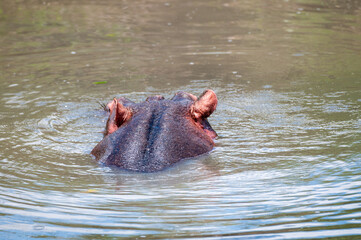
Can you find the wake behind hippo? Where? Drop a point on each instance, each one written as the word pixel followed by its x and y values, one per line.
pixel 157 133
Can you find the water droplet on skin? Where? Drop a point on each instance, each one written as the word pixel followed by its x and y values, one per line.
pixel 73 52
pixel 191 63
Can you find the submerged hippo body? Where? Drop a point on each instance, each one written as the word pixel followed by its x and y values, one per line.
pixel 154 134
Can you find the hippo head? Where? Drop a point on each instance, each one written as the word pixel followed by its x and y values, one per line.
pixel 156 133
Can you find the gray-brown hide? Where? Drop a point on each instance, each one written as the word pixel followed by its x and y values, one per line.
pixel 156 133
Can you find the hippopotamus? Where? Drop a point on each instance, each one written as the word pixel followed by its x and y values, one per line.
pixel 152 135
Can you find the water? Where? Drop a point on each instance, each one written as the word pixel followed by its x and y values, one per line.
pixel 287 160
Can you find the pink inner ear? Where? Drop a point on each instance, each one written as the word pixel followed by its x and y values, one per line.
pixel 118 115
pixel 205 105
pixel 111 124
pixel 123 114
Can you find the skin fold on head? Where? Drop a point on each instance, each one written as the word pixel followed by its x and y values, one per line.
pixel 154 134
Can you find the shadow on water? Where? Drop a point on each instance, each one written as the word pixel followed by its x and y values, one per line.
pixel 287 160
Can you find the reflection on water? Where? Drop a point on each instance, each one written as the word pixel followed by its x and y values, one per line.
pixel 287 160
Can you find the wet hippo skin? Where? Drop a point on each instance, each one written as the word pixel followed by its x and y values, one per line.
pixel 152 135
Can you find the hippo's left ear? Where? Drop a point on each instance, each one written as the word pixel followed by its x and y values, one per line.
pixel 205 105
pixel 118 115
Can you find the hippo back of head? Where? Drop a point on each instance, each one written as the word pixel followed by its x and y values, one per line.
pixel 156 133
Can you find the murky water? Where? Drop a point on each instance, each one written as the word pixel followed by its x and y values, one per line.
pixel 287 164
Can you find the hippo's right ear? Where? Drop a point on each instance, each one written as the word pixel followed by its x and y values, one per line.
pixel 118 115
pixel 205 105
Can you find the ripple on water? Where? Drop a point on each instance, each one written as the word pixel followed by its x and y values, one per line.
pixel 279 170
